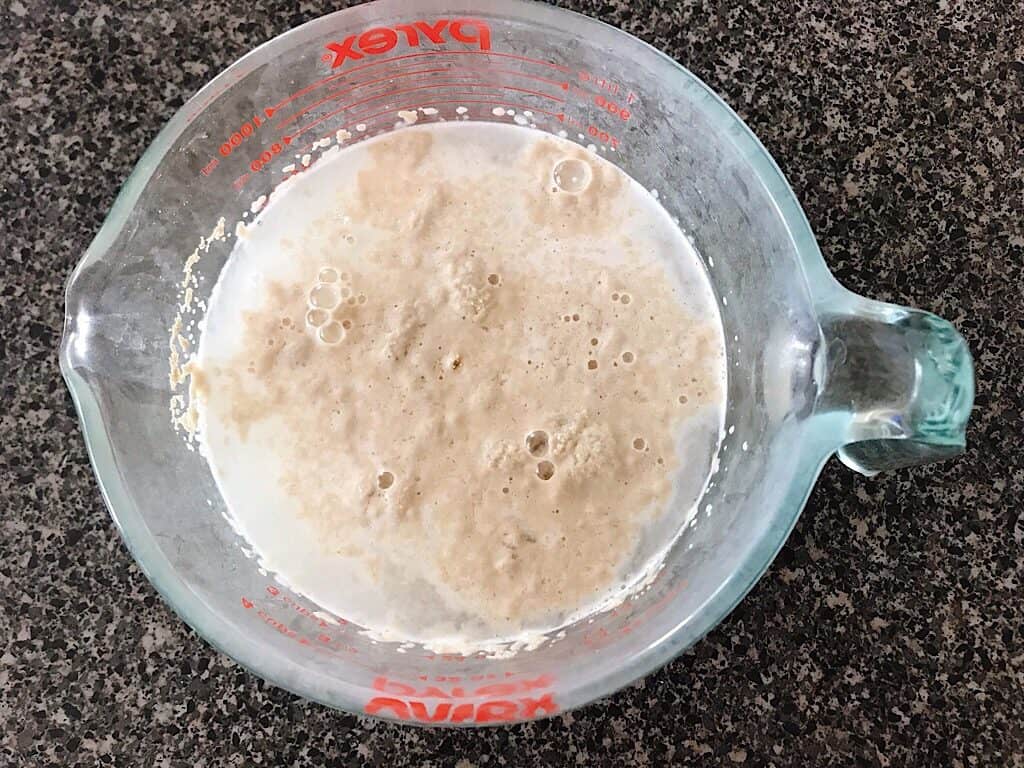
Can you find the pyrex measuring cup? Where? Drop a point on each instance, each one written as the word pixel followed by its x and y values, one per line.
pixel 813 369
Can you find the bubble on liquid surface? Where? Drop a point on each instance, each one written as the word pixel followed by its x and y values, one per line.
pixel 537 442
pixel 385 480
pixel 331 333
pixel 324 296
pixel 572 175
pixel 545 470
pixel 328 275
pixel 317 317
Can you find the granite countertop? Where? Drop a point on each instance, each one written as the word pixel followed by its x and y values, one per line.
pixel 889 631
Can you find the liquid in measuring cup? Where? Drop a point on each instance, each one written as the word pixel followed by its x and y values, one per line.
pixel 461 383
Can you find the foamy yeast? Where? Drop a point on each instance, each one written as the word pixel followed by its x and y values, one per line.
pixel 461 382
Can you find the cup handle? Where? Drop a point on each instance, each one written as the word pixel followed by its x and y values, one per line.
pixel 899 381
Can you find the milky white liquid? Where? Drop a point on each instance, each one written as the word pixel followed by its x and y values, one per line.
pixel 461 383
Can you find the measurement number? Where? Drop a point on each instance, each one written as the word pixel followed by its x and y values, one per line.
pixel 612 107
pixel 266 156
pixel 235 140
pixel 603 136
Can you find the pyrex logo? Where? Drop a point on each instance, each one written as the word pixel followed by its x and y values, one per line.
pixel 378 40
pixel 499 702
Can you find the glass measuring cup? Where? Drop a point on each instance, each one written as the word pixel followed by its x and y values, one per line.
pixel 813 369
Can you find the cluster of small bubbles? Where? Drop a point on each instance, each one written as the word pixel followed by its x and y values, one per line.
pixel 572 175
pixel 545 470
pixel 639 444
pixel 537 443
pixel 627 357
pixel 385 480
pixel 331 291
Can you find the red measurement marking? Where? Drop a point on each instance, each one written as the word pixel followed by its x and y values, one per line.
pixel 298 637
pixel 612 107
pixel 330 78
pixel 363 119
pixel 210 166
pixel 334 94
pixel 339 110
pixel 302 610
pixel 604 84
pixel 268 154
pixel 247 129
pixel 564 85
pixel 603 136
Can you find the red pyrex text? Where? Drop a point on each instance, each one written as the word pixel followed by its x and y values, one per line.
pixel 504 702
pixel 378 40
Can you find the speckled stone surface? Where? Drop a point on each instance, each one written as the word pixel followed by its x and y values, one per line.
pixel 890 630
